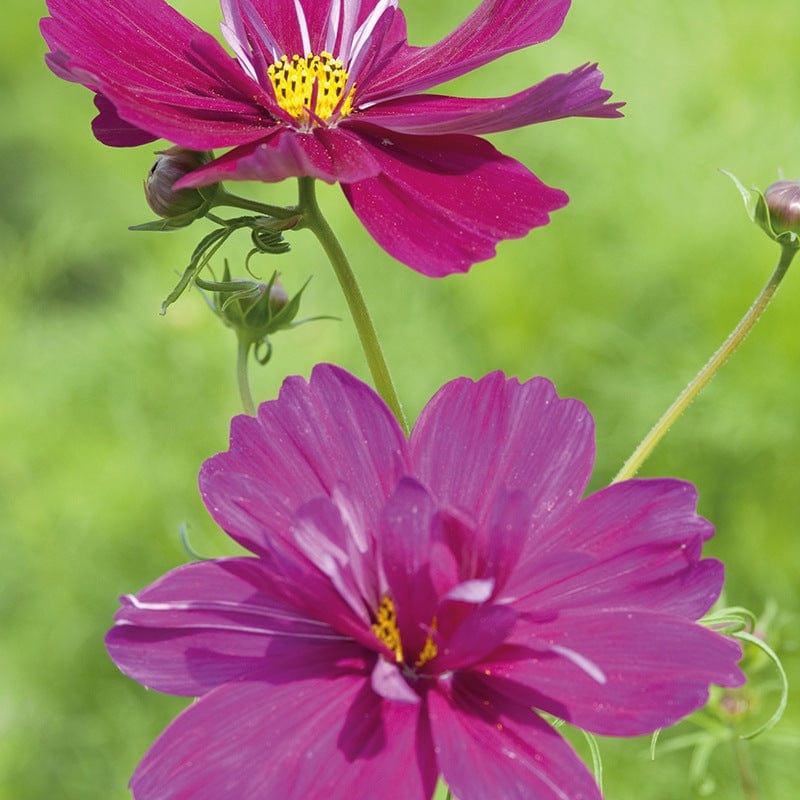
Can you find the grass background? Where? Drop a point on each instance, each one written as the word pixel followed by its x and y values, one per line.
pixel 107 409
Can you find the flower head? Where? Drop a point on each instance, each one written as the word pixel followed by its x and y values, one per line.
pixel 783 202
pixel 330 89
pixel 410 606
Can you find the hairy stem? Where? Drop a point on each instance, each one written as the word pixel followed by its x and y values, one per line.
pixel 701 380
pixel 243 352
pixel 318 225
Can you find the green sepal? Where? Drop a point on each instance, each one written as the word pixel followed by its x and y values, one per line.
pixel 758 211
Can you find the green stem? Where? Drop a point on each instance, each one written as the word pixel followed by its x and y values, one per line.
pixel 744 765
pixel 243 352
pixel 729 346
pixel 318 225
pixel 225 198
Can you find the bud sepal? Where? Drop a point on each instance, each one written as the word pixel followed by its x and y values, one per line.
pixel 776 210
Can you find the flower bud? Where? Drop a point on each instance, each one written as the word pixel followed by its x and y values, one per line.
pixel 183 206
pixel 783 202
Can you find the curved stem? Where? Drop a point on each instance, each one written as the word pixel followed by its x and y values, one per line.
pixel 243 351
pixel 318 225
pixel 729 346
pixel 744 766
pixel 225 198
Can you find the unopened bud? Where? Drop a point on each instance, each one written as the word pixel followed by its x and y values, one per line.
pixel 783 202
pixel 183 206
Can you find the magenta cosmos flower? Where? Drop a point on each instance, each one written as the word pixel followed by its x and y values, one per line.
pixel 330 89
pixel 411 606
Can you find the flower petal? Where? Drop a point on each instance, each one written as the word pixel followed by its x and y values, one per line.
pixel 475 441
pixel 160 71
pixel 574 94
pixel 490 746
pixel 408 528
pixel 304 740
pixel 655 668
pixel 330 432
pixel 496 27
pixel 330 154
pixel 207 623
pixel 441 203
pixel 642 540
pixel 110 129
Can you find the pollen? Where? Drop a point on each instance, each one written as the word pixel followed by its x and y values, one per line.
pixel 385 628
pixel 311 89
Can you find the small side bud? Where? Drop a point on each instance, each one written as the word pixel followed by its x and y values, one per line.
pixel 783 202
pixel 776 211
pixel 183 206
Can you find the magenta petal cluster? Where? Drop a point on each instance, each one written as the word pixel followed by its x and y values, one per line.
pixel 330 89
pixel 411 606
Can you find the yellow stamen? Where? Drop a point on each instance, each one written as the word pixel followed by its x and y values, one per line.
pixel 430 650
pixel 387 631
pixel 386 628
pixel 295 80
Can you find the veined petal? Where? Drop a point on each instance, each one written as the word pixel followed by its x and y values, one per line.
pixel 210 622
pixel 316 436
pixel 330 154
pixel 441 203
pixel 574 94
pixel 643 541
pixel 491 746
pixel 161 72
pixel 657 668
pixel 495 28
pixel 112 130
pixel 408 528
pixel 304 740
pixel 474 441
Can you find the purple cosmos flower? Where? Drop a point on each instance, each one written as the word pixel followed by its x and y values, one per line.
pixel 410 606
pixel 330 89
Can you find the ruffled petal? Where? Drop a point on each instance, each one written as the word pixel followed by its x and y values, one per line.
pixel 304 740
pixel 161 72
pixel 210 622
pixel 317 437
pixel 618 673
pixel 441 203
pixel 475 441
pixel 496 27
pixel 642 542
pixel 330 154
pixel 491 746
pixel 110 129
pixel 574 94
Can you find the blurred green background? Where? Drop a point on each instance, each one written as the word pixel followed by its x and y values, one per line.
pixel 108 409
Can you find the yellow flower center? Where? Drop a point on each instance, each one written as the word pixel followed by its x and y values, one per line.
pixel 385 628
pixel 311 87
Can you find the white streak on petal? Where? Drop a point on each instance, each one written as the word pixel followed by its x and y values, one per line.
pixel 361 39
pixel 261 30
pixel 473 591
pixel 581 662
pixel 301 21
pixel 234 33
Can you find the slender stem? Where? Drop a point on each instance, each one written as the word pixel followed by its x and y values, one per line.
pixel 744 765
pixel 729 346
pixel 243 352
pixel 225 198
pixel 318 225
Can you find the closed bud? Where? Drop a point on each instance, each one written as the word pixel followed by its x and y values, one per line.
pixel 783 202
pixel 183 206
